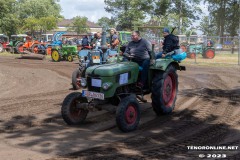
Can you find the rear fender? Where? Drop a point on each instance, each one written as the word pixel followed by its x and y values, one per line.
pixel 162 64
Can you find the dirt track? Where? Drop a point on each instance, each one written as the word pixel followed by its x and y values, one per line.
pixel 31 92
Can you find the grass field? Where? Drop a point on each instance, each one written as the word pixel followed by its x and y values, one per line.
pixel 221 58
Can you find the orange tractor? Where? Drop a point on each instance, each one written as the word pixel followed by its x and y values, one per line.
pixel 32 45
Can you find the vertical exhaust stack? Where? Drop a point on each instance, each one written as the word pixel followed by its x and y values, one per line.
pixel 104 46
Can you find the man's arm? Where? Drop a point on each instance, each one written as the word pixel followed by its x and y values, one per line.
pixel 149 48
pixel 167 46
pixel 127 51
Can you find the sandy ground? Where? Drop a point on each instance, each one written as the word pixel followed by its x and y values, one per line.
pixel 207 113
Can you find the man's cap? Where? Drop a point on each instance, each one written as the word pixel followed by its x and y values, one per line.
pixel 166 30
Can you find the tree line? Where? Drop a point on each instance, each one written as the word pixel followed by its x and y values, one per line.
pixel 19 16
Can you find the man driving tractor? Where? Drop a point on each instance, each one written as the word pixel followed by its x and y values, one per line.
pixel 140 50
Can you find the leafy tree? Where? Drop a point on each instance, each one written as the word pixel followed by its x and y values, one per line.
pixel 8 21
pixel 47 23
pixel 225 15
pixel 79 25
pixel 207 26
pixel 38 9
pixel 127 12
pixel 105 21
pixel 31 24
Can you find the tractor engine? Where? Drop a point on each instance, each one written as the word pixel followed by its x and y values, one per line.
pixel 110 77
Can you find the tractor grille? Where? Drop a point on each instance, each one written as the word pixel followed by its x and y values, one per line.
pixel 90 87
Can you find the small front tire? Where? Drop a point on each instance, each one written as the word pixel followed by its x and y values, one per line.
pixel 70 113
pixel 128 114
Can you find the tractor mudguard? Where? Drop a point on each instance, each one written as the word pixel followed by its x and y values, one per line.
pixel 163 63
pixel 83 53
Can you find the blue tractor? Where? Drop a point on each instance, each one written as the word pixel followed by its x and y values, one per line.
pixel 97 56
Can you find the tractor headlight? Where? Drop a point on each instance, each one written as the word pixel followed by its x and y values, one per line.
pixel 106 85
pixel 83 82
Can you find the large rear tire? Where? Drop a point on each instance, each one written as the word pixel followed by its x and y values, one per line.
pixel 76 77
pixel 164 91
pixel 70 113
pixel 209 53
pixel 55 55
pixel 35 48
pixel 128 114
pixel 19 48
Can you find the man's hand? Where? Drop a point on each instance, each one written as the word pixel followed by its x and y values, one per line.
pixel 163 55
pixel 152 61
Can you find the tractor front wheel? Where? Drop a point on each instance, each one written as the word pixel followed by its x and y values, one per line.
pixel 70 58
pixel 70 113
pixel 128 114
pixel 183 47
pixel 191 55
pixel 164 91
pixel 55 55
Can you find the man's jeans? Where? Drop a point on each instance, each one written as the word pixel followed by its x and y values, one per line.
pixel 159 55
pixel 144 73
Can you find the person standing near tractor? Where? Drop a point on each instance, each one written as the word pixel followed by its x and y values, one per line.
pixel 96 42
pixel 85 41
pixel 170 43
pixel 114 41
pixel 140 50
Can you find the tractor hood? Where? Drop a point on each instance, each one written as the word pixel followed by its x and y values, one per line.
pixel 108 70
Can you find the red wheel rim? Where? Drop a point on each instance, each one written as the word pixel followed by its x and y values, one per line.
pixel 35 49
pixel 74 111
pixel 209 53
pixel 184 48
pixel 169 90
pixel 192 55
pixel 78 80
pixel 130 114
pixel 20 48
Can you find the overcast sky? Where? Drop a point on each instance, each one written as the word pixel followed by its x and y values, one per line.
pixel 92 9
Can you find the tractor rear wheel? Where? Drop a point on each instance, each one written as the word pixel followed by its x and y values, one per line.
pixel 209 53
pixel 19 48
pixel 70 113
pixel 1 48
pixel 128 114
pixel 164 90
pixel 35 49
pixel 55 55
pixel 76 77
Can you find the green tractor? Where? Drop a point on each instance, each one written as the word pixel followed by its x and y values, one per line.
pixel 64 52
pixel 98 56
pixel 60 51
pixel 16 43
pixel 198 45
pixel 116 84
